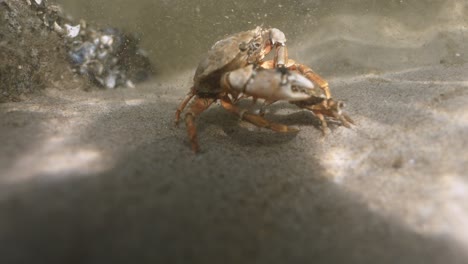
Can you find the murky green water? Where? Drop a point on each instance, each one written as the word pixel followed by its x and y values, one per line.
pixel 334 36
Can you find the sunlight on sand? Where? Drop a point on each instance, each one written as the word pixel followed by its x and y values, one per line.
pixel 451 214
pixel 445 214
pixel 52 160
pixel 134 102
pixel 437 207
pixel 339 161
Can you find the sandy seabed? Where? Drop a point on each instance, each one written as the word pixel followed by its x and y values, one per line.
pixel 104 176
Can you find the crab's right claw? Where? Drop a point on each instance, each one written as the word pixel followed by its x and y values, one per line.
pixel 271 84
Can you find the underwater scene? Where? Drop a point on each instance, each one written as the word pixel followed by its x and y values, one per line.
pixel 267 131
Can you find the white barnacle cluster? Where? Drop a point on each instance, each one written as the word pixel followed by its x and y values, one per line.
pixel 96 55
pixel 53 18
pixel 105 56
pixel 37 2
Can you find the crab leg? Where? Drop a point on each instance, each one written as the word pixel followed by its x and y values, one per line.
pixel 281 56
pixel 196 108
pixel 254 119
pixel 182 106
pixel 327 107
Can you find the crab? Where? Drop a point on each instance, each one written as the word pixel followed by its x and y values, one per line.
pixel 234 69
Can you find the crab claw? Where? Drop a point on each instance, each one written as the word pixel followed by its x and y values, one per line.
pixel 270 84
pixel 277 36
pixel 278 40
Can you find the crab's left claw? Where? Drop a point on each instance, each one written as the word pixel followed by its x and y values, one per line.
pixel 270 84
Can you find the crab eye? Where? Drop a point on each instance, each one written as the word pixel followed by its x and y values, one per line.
pixel 243 46
pixel 257 45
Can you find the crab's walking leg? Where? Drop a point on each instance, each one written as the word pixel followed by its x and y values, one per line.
pixel 182 105
pixel 254 119
pixel 345 119
pixel 329 108
pixel 333 108
pixel 198 106
pixel 319 115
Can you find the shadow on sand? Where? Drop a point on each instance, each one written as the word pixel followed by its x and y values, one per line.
pixel 231 204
